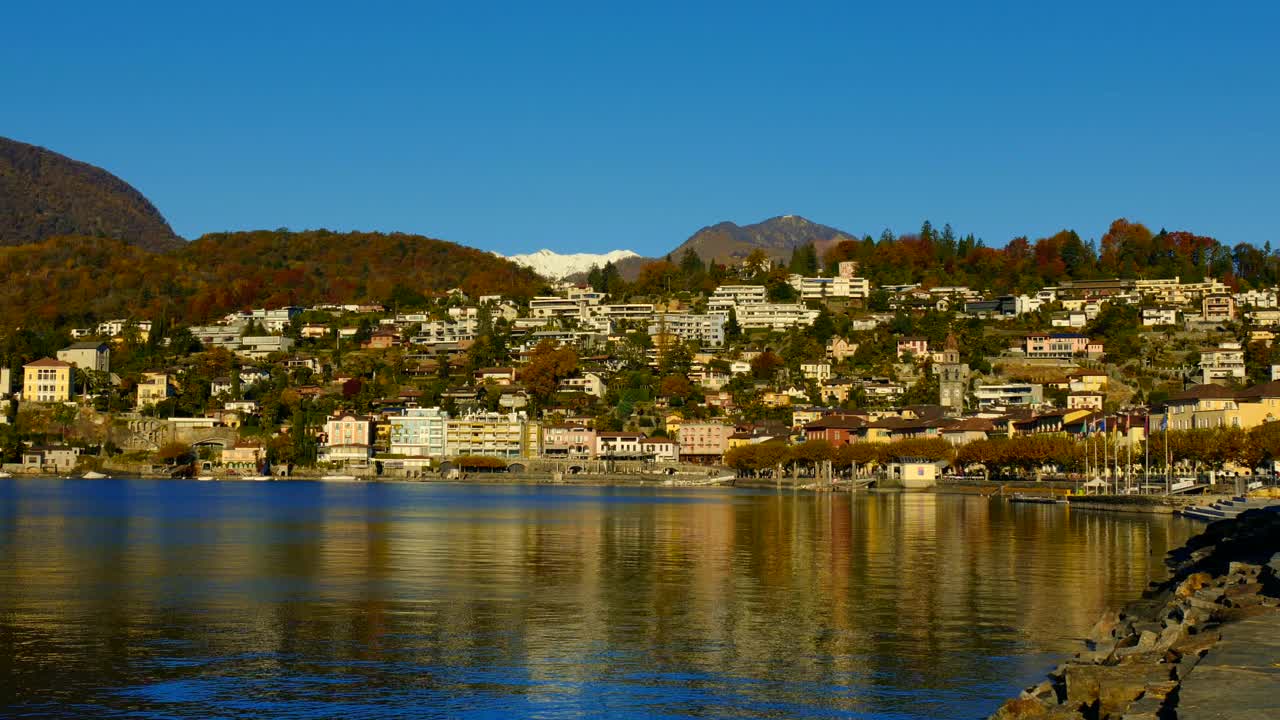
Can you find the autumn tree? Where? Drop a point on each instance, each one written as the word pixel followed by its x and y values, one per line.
pixel 548 365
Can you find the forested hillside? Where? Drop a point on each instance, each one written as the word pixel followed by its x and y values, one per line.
pixel 74 280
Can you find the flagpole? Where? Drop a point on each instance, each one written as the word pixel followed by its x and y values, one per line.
pixel 1146 447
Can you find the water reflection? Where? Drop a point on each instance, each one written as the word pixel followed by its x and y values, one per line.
pixel 161 599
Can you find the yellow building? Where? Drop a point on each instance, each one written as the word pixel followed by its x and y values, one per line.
pixel 48 380
pixel 153 388
pixel 1215 406
pixel 503 435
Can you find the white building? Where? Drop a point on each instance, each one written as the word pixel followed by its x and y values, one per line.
pixel 1258 299
pixel 775 316
pixel 728 297
pixel 1159 316
pixel 87 356
pixel 819 288
pixel 419 432
pixel 708 330
pixel 1008 394
pixel 1224 363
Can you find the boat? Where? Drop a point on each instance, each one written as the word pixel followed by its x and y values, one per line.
pixel 255 478
pixel 1037 499
pixel 205 478
pixel 339 478
pixel 5 475
pixel 94 475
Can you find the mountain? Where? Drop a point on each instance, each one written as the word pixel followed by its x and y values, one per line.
pixel 74 280
pixel 44 194
pixel 557 266
pixel 728 242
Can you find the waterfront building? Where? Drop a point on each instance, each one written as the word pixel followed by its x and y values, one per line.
pixel 619 445
pixel 418 432
pixel 660 449
pixel 703 442
pixel 502 435
pixel 569 442
pixel 347 438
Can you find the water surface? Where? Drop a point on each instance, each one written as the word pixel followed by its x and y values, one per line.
pixel 163 599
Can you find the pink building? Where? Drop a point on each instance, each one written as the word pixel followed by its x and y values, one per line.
pixel 1056 345
pixel 349 437
pixel 704 442
pixel 568 441
pixel 917 346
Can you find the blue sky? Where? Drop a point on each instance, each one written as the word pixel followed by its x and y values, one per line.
pixel 593 126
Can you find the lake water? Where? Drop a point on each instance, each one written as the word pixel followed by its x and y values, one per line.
pixel 164 599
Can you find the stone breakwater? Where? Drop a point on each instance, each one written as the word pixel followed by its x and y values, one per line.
pixel 1203 644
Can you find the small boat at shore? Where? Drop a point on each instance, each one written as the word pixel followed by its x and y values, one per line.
pixel 339 478
pixel 255 478
pixel 205 478
pixel 1037 499
pixel 5 475
pixel 94 475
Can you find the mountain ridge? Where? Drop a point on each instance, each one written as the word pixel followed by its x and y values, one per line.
pixel 557 266
pixel 45 194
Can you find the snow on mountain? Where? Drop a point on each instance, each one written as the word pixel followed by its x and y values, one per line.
pixel 556 266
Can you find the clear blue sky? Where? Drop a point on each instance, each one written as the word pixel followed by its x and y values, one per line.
pixel 595 125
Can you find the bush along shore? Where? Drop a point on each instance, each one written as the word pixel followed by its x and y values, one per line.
pixel 1203 644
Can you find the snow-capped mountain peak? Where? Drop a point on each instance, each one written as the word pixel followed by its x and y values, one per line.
pixel 557 266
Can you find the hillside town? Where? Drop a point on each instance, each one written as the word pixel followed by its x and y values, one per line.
pixel 1116 383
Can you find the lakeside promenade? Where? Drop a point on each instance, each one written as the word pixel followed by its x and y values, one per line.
pixel 1202 645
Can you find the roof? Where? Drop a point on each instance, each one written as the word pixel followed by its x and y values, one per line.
pixel 86 345
pixel 841 422
pixel 973 424
pixel 48 362
pixel 1204 392
pixel 1263 390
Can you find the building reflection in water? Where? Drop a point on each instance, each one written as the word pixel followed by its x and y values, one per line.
pixel 533 600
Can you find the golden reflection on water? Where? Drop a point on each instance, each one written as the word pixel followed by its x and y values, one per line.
pixel 858 603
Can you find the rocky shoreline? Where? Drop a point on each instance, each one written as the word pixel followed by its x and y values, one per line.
pixel 1203 644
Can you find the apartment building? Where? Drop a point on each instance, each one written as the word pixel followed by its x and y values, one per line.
pixel 707 330
pixel 1218 308
pixel 775 316
pixel 703 442
pixel 502 435
pixel 728 297
pixel 418 432
pixel 1008 394
pixel 1222 364
pixel 820 288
